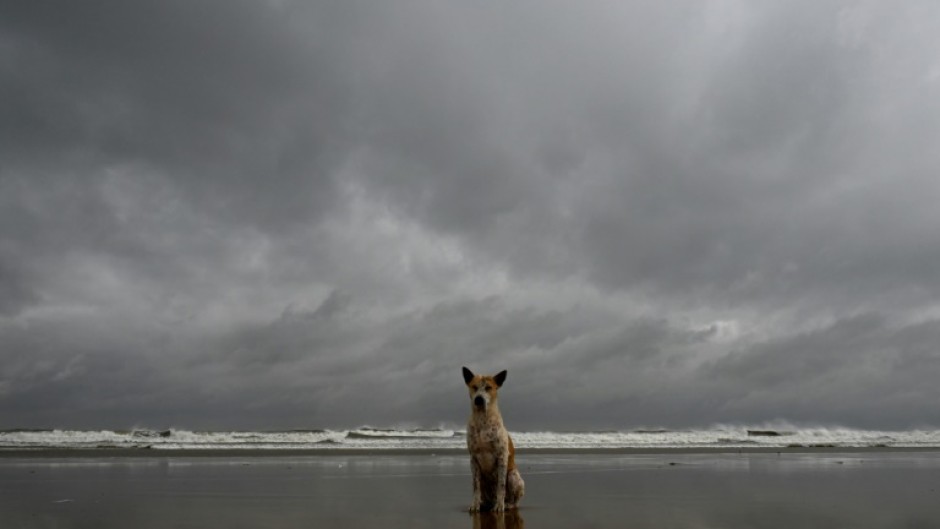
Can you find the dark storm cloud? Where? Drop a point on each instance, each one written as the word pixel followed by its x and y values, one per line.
pixel 222 99
pixel 674 167
pixel 14 290
pixel 287 214
pixel 859 370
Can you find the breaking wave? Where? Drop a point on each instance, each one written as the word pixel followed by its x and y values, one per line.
pixel 369 438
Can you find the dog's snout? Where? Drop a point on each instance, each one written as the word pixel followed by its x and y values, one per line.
pixel 479 401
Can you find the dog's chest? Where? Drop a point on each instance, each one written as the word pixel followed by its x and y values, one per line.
pixel 485 442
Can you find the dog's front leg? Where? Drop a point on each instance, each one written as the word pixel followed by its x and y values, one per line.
pixel 477 494
pixel 501 466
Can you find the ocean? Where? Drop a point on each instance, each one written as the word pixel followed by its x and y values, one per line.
pixel 443 439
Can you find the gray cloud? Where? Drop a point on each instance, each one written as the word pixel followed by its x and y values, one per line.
pixel 280 214
pixel 860 370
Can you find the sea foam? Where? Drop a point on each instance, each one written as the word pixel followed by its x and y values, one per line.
pixel 367 438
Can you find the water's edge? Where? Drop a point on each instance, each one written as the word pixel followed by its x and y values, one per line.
pixel 426 452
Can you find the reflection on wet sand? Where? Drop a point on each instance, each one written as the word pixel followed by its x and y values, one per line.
pixel 498 520
pixel 864 490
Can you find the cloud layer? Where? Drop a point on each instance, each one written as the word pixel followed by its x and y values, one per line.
pixel 306 214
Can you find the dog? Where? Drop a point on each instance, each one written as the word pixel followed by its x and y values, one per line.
pixel 497 484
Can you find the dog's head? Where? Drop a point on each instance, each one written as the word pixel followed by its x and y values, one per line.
pixel 483 388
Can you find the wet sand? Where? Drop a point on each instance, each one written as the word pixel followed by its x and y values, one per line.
pixel 636 490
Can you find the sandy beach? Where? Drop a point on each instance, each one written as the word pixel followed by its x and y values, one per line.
pixel 866 489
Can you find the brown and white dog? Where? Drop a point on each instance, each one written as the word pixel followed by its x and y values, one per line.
pixel 497 484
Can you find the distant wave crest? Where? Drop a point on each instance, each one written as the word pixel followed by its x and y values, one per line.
pixel 446 439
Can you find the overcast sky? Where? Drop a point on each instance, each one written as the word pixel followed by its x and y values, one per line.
pixel 277 214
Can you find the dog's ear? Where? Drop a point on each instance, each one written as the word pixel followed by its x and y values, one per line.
pixel 467 375
pixel 500 378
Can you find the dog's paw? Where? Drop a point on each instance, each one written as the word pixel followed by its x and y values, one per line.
pixel 500 507
pixel 474 508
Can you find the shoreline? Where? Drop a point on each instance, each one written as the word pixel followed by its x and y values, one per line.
pixel 54 453
pixel 870 488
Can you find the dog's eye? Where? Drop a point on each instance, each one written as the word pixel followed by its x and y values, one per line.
pixel 488 387
pixel 474 388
